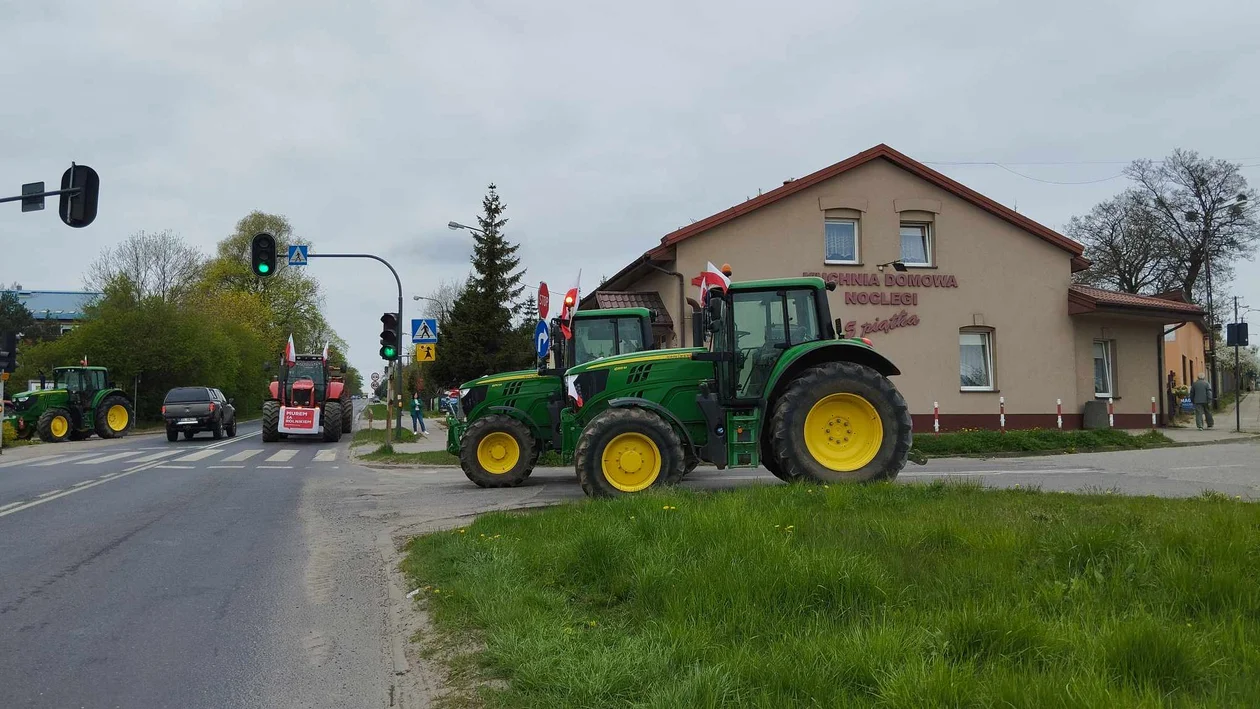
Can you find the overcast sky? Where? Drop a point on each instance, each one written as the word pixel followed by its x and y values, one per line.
pixel 605 125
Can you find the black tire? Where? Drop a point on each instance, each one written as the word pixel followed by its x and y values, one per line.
pixel 347 415
pixel 606 428
pixel 172 434
pixel 104 428
pixel 480 432
pixel 817 383
pixel 44 426
pixel 271 421
pixel 691 462
pixel 216 430
pixel 188 434
pixel 769 458
pixel 231 428
pixel 332 421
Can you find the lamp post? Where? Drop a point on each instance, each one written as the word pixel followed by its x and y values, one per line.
pixel 456 226
pixel 1235 208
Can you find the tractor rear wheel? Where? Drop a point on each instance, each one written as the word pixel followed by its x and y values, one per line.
pixel 113 417
pixel 271 421
pixel 497 451
pixel 347 416
pixel 769 459
pixel 841 422
pixel 54 425
pixel 627 450
pixel 332 421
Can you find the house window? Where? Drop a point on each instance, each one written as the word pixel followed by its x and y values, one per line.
pixel 916 244
pixel 1104 370
pixel 840 241
pixel 975 361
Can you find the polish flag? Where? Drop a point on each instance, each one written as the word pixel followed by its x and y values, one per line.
pixel 290 352
pixel 571 383
pixel 712 277
pixel 325 354
pixel 569 307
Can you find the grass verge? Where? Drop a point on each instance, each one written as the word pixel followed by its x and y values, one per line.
pixel 388 455
pixel 982 442
pixel 889 595
pixel 377 435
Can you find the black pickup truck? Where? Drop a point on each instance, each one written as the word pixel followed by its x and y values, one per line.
pixel 193 409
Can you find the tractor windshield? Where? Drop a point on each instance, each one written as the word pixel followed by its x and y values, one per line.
pixel 307 369
pixel 604 337
pixel 765 324
pixel 68 379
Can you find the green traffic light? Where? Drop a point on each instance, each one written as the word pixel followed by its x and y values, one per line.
pixel 389 351
pixel 263 268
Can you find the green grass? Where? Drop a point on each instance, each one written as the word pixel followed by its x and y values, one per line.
pixel 981 442
pixel 377 435
pixel 387 455
pixel 941 595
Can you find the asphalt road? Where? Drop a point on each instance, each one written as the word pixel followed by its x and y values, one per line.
pixel 137 573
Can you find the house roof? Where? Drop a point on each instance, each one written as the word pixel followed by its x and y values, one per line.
pixel 55 304
pixel 1087 299
pixel 623 299
pixel 902 161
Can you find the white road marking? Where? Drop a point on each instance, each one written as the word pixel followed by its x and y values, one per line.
pixel 11 505
pixel 176 467
pixel 106 458
pixel 1211 467
pixel 275 467
pixel 282 456
pixel 326 456
pixel 129 471
pixel 33 461
pixel 85 482
pixel 58 460
pixel 154 456
pixel 46 494
pixel 243 455
pixel 221 467
pixel 199 455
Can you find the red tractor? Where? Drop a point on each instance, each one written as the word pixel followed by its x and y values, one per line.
pixel 308 397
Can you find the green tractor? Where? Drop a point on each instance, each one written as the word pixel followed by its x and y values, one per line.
pixel 775 387
pixel 507 420
pixel 82 401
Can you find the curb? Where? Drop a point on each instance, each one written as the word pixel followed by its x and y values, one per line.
pixel 1106 449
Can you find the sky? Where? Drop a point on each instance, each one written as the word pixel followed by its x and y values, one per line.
pixel 604 125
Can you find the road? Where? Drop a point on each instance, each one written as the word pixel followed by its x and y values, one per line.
pixel 137 573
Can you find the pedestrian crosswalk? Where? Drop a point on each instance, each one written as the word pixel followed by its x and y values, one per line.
pixel 178 457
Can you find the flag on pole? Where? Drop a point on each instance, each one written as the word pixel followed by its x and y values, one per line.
pixel 712 277
pixel 325 353
pixel 569 307
pixel 84 360
pixel 290 352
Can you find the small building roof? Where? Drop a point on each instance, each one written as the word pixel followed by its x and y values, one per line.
pixel 623 299
pixel 55 304
pixel 1088 299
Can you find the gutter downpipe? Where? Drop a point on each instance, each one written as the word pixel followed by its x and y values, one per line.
pixel 682 301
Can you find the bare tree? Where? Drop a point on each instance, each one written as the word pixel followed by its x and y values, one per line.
pixel 1207 211
pixel 1126 244
pixel 160 265
pixel 439 301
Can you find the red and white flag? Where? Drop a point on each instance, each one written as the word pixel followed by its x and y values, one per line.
pixel 712 277
pixel 571 384
pixel 325 353
pixel 569 307
pixel 84 360
pixel 290 352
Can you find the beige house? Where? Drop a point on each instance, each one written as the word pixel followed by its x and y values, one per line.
pixel 973 301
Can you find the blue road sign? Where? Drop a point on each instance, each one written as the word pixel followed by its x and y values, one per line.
pixel 298 255
pixel 542 340
pixel 424 331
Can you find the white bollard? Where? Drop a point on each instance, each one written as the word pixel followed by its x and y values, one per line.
pixel 1058 405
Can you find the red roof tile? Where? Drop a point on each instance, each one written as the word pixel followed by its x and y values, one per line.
pixel 1090 296
pixel 622 299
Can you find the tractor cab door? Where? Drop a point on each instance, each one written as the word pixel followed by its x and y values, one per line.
pixel 72 380
pixel 758 327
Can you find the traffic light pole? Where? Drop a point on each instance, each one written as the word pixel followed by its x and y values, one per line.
pixel 398 281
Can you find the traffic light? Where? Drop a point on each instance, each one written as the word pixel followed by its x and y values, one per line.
pixel 8 352
pixel 79 209
pixel 389 336
pixel 263 254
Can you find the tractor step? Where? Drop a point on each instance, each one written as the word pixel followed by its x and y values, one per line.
pixel 743 439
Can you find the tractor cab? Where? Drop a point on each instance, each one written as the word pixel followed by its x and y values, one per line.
pixel 602 333
pixel 307 381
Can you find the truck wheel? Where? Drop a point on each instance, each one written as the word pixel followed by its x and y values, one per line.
pixel 172 434
pixel 271 421
pixel 497 451
pixel 54 425
pixel 332 422
pixel 216 430
pixel 113 417
pixel 627 450
pixel 842 422
pixel 231 429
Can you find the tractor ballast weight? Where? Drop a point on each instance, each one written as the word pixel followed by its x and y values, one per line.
pixel 507 420
pixel 308 397
pixel 775 387
pixel 82 401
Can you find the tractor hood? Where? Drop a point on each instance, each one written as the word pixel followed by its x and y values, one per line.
pixel 500 377
pixel 635 358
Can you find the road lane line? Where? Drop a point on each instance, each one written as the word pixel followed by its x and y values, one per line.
pixel 46 494
pixel 85 482
pixel 176 467
pixel 106 458
pixel 154 456
pixel 11 505
pixel 327 455
pixel 1211 467
pixel 199 455
pixel 222 467
pixel 242 456
pixel 275 467
pixel 282 456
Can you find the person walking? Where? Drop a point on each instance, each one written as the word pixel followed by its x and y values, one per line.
pixel 1201 397
pixel 417 414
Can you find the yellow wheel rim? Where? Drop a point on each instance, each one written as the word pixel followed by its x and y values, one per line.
pixel 498 452
pixel 843 432
pixel 59 427
pixel 116 417
pixel 631 462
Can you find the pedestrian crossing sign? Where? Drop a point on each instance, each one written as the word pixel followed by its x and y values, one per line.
pixel 426 353
pixel 298 255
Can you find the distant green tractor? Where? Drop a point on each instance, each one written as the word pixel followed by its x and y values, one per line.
pixel 82 401
pixel 507 420
pixel 776 388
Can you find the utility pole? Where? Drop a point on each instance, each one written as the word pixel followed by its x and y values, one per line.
pixel 1237 380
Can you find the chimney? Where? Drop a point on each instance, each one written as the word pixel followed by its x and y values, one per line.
pixel 788 180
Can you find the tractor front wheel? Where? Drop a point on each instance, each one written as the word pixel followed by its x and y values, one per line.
pixel 627 450
pixel 114 417
pixel 347 416
pixel 841 422
pixel 54 425
pixel 332 421
pixel 497 451
pixel 271 421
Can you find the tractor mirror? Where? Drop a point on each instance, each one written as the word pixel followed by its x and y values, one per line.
pixel 831 285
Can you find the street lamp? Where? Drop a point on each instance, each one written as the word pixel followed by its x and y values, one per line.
pixel 456 226
pixel 1235 209
pixel 897 265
